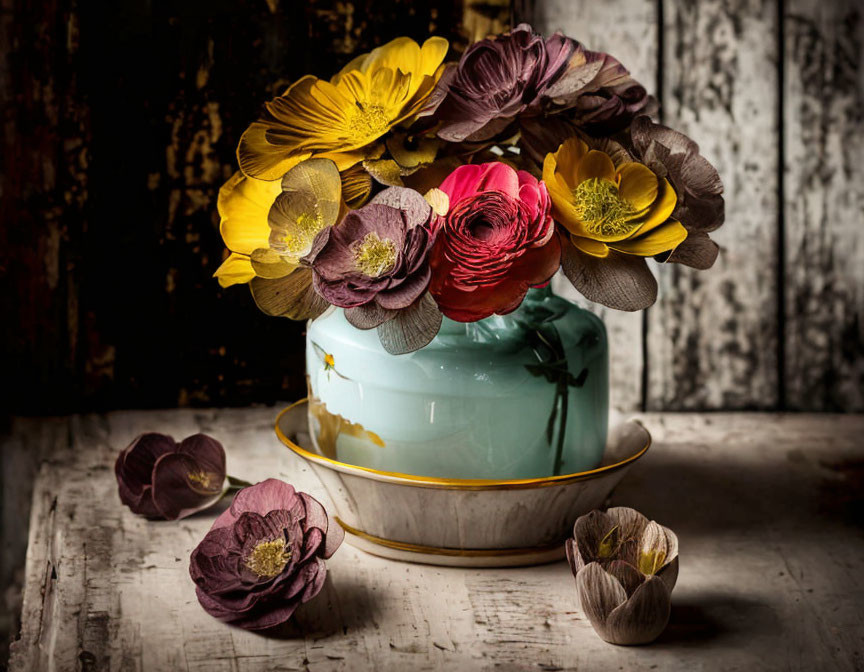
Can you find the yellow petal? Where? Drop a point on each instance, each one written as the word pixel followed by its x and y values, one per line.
pixel 432 54
pixel 663 238
pixel 595 164
pixel 243 204
pixel 260 159
pixel 593 247
pixel 659 212
pixel 637 185
pixel 408 155
pixel 356 186
pixel 568 158
pixel 439 200
pixel 235 270
pixel 344 160
pixel 550 163
pixel 268 264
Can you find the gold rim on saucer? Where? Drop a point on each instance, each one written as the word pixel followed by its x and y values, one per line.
pixel 452 483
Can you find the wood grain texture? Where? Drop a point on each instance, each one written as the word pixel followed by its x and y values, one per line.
pixel 771 564
pixel 628 30
pixel 824 202
pixel 115 143
pixel 712 337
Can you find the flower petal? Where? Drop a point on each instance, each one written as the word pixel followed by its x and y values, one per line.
pixel 269 264
pixel 637 185
pixel 595 165
pixel 260 159
pixel 662 239
pixel 595 248
pixel 621 281
pixel 599 594
pixel 368 316
pixel 411 328
pixel 697 251
pixel 589 532
pixel 643 617
pixel 413 206
pixel 243 204
pixel 176 493
pixel 653 548
pixel 629 577
pixel 291 296
pixel 235 270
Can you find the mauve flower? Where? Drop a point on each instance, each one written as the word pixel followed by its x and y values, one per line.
pixel 496 241
pixel 376 261
pixel 264 556
pixel 160 478
pixel 596 93
pixel 700 207
pixel 625 569
pixel 497 79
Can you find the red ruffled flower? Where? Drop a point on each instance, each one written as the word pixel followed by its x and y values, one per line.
pixel 496 241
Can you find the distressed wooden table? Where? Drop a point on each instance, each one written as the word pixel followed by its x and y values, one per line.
pixel 768 508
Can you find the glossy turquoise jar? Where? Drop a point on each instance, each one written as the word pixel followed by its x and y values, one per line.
pixel 523 395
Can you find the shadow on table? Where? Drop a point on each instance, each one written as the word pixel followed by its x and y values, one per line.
pixel 704 497
pixel 698 620
pixel 341 606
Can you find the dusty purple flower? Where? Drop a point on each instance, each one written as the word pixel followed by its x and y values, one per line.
pixel 264 556
pixel 700 206
pixel 496 80
pixel 625 567
pixel 376 261
pixel 160 478
pixel 595 92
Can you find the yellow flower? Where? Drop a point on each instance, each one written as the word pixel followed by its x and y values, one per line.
pixel 342 119
pixel 624 207
pixel 268 227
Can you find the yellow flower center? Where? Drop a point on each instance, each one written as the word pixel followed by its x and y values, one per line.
pixel 650 562
pixel 298 241
pixel 203 478
pixel 601 208
pixel 368 121
pixel 374 256
pixel 268 558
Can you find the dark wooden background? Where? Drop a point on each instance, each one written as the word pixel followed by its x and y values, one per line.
pixel 120 122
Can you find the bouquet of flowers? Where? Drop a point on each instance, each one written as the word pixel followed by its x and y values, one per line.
pixel 407 188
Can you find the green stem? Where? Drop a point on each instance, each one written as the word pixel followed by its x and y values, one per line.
pixel 235 484
pixel 563 394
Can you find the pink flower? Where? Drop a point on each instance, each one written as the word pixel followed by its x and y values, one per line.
pixel 264 556
pixel 496 241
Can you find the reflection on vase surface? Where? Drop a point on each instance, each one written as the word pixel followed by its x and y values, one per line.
pixel 518 396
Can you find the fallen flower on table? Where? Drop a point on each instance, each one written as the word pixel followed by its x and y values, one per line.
pixel 264 556
pixel 625 569
pixel 160 478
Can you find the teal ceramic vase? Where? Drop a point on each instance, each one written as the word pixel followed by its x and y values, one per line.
pixel 524 395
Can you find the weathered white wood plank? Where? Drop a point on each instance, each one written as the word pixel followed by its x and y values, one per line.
pixel 824 204
pixel 627 29
pixel 21 450
pixel 712 336
pixel 767 509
